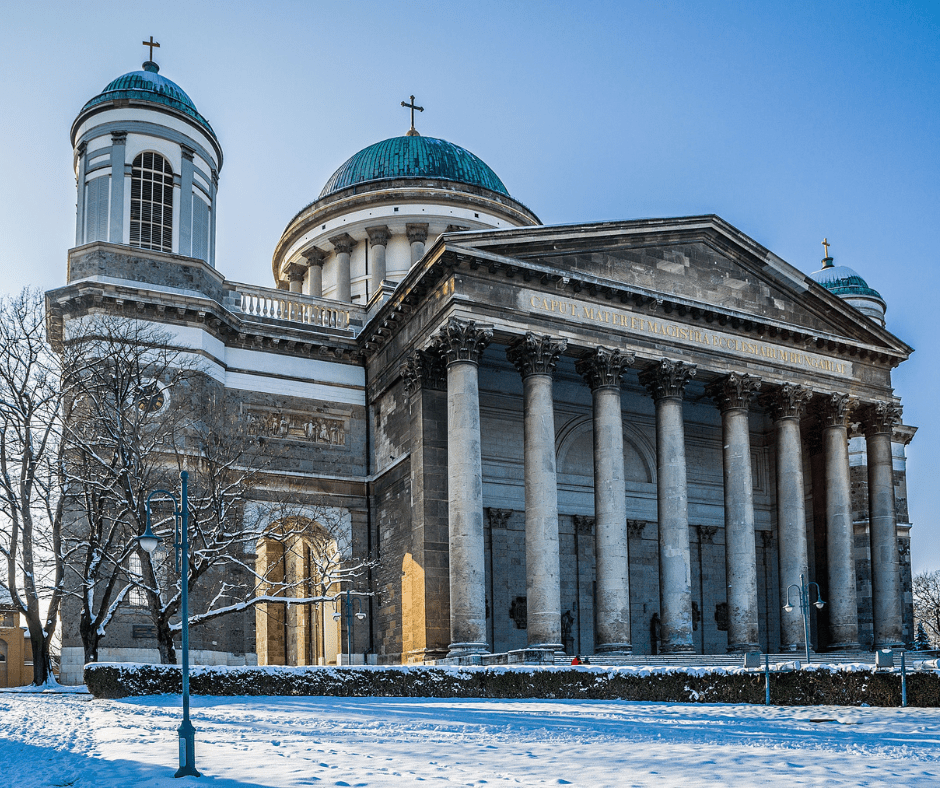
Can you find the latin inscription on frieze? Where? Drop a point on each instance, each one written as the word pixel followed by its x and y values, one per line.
pixel 624 321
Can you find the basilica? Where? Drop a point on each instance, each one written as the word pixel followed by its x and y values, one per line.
pixel 621 438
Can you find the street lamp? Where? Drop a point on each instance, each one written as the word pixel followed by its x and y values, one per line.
pixel 803 589
pixel 149 541
pixel 349 617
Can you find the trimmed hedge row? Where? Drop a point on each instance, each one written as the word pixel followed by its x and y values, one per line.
pixel 842 686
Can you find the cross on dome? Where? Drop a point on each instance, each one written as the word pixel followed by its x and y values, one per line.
pixel 152 44
pixel 412 132
pixel 826 244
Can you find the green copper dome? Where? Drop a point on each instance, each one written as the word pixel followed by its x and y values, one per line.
pixel 414 157
pixel 148 85
pixel 843 281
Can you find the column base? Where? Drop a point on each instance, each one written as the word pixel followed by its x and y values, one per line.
pixel 463 649
pixel 614 649
pixel 679 648
pixel 847 646
pixel 554 647
pixel 793 648
pixel 742 648
pixel 892 644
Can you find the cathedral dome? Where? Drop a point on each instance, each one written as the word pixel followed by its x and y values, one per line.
pixel 846 283
pixel 147 85
pixel 417 157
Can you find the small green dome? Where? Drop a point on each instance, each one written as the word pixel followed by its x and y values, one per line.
pixel 414 157
pixel 843 281
pixel 148 85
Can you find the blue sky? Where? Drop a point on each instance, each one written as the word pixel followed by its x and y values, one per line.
pixel 791 121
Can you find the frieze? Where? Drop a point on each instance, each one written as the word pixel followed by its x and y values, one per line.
pixel 296 426
pixel 623 320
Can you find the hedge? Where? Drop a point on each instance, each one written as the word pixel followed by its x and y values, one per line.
pixel 843 685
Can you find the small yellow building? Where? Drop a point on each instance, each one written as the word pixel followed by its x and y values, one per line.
pixel 16 653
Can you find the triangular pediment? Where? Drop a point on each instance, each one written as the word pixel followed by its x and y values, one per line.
pixel 691 263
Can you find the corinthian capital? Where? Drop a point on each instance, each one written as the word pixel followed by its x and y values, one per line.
pixel 880 417
pixel 733 391
pixel 535 354
pixel 787 401
pixel 417 231
pixel 343 243
pixel 667 378
pixel 424 369
pixel 462 340
pixel 313 256
pixel 602 367
pixel 834 409
pixel 378 236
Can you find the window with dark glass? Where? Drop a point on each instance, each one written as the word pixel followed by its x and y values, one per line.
pixel 152 203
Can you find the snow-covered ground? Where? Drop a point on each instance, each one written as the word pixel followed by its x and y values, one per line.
pixel 71 740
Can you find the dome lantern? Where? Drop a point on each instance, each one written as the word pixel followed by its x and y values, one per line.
pixel 842 281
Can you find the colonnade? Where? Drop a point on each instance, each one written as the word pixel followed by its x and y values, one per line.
pixel 311 261
pixel 461 344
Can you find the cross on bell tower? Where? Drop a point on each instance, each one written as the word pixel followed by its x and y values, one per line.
pixel 412 132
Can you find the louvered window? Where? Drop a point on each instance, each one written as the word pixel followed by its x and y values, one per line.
pixel 200 229
pixel 96 209
pixel 152 203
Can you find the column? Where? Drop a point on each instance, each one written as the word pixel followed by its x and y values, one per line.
pixel 666 381
pixel 462 343
pixel 879 420
pixel 417 237
pixel 343 244
pixel 186 201
pixel 535 357
pixel 603 369
pixel 296 272
pixel 212 212
pixel 378 240
pixel 425 628
pixel 314 259
pixel 732 394
pixel 787 404
pixel 80 152
pixel 840 533
pixel 116 231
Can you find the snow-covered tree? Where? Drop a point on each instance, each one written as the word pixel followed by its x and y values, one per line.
pixel 30 473
pixel 927 603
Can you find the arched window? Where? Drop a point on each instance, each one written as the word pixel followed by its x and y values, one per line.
pixel 152 203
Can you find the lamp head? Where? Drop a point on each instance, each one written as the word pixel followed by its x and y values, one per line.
pixel 337 616
pixel 148 540
pixel 788 608
pixel 360 615
pixel 820 604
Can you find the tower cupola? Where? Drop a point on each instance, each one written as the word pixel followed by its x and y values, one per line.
pixel 147 166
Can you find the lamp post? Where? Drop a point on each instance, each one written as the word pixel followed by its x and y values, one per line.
pixel 803 588
pixel 349 618
pixel 149 541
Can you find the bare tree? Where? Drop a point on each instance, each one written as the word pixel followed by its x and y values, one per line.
pixel 119 428
pixel 927 604
pixel 30 473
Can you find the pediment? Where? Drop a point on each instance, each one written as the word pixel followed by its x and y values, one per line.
pixel 697 263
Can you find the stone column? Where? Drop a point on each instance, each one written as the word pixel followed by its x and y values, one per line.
pixel 602 369
pixel 732 394
pixel 666 383
pixel 378 240
pixel 879 420
pixel 462 343
pixel 296 272
pixel 187 168
pixel 343 244
pixel 840 533
pixel 314 259
pixel 417 236
pixel 786 405
pixel 535 357
pixel 118 146
pixel 80 152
